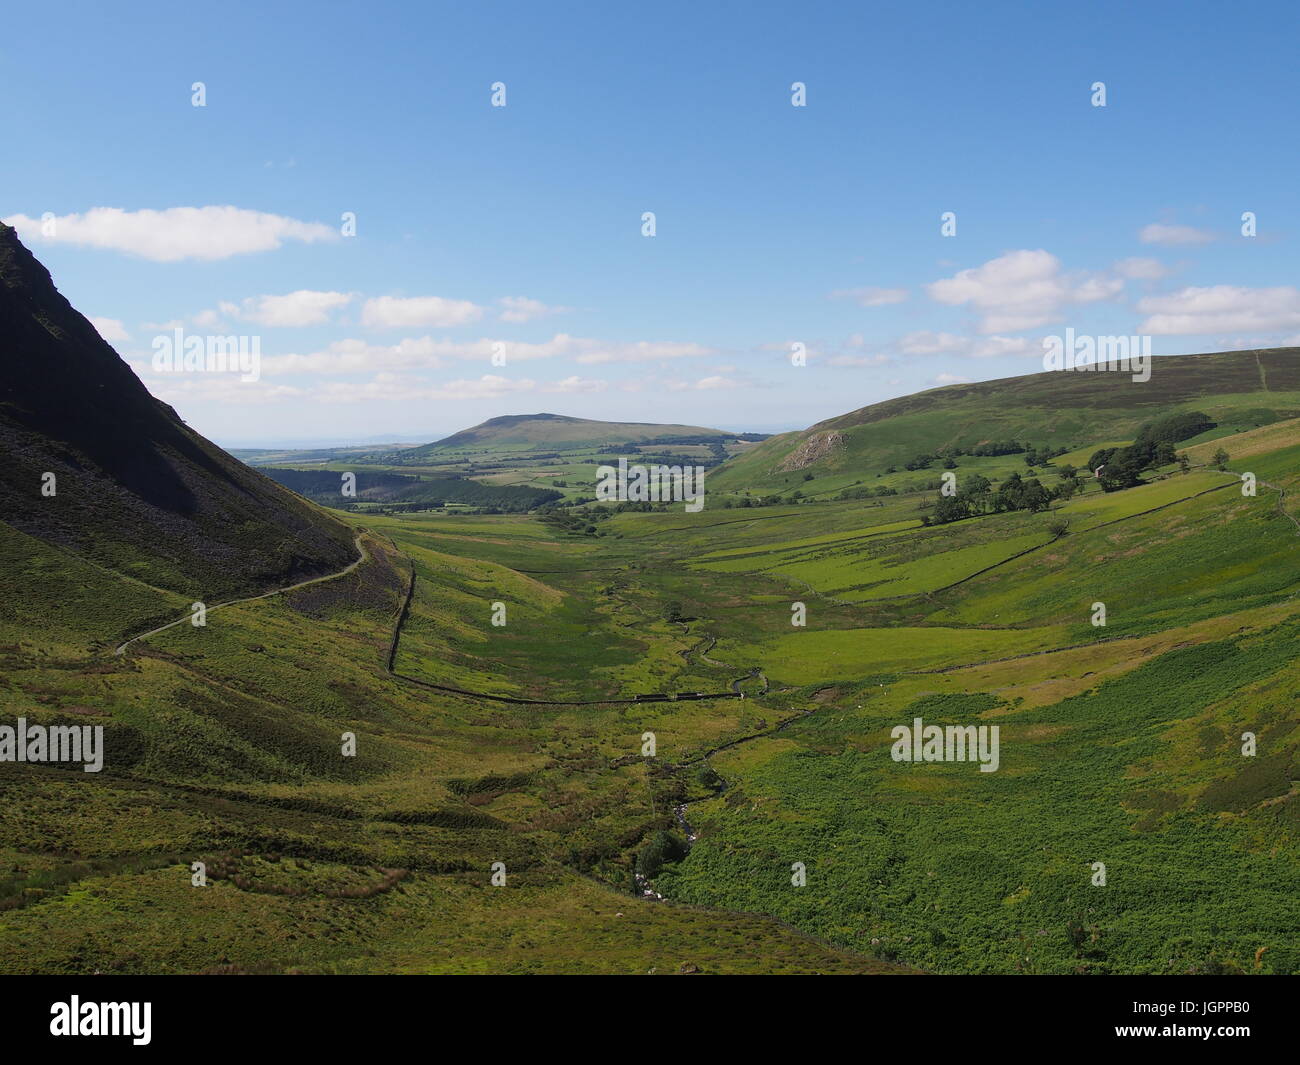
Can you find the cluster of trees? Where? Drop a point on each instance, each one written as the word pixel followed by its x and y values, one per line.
pixel 866 492
pixel 992 448
pixel 772 500
pixel 1121 467
pixel 717 452
pixel 1042 456
pixel 948 456
pixel 975 495
pixel 583 520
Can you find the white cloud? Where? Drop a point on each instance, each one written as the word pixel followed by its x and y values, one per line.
pixel 425 353
pixel 925 342
pixel 353 356
pixel 577 384
pixel 718 381
pixel 523 309
pixel 1020 290
pixel 871 297
pixel 213 387
pixel 111 329
pixel 639 351
pixel 1159 233
pixel 951 379
pixel 1138 269
pixel 396 312
pixel 1221 309
pixel 174 234
pixel 302 308
pixel 992 347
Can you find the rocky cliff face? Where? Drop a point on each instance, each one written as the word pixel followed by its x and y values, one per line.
pixel 816 447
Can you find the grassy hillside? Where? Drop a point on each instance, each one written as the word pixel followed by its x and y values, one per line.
pixel 224 748
pixel 1240 390
pixel 1120 744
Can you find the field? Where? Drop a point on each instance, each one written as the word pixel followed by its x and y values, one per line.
pixel 494 669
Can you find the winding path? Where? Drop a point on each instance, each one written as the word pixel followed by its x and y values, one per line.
pixel 362 556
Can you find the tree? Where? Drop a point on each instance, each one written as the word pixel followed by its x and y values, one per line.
pixel 951 508
pixel 1036 497
pixel 1101 457
pixel 979 490
pixel 1184 463
pixel 1220 458
pixel 1010 494
pixel 1058 526
pixel 1120 472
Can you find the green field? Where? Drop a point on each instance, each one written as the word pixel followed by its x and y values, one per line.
pixel 510 730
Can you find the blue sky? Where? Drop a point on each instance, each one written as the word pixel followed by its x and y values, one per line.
pixel 522 225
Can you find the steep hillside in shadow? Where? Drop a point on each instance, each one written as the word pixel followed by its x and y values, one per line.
pixel 135 488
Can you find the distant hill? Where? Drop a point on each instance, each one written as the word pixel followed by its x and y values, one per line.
pixel 136 489
pixel 548 432
pixel 323 487
pixel 1239 390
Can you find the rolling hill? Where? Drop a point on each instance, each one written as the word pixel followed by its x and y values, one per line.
pixel 1240 390
pixel 548 432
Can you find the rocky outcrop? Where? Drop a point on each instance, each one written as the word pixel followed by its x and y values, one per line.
pixel 814 449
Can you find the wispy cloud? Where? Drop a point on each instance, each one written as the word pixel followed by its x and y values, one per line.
pixel 1159 233
pixel 522 309
pixel 302 308
pixel 1221 309
pixel 1139 269
pixel 925 342
pixel 396 312
pixel 173 234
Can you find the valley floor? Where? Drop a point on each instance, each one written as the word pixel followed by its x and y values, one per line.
pixel 1121 745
